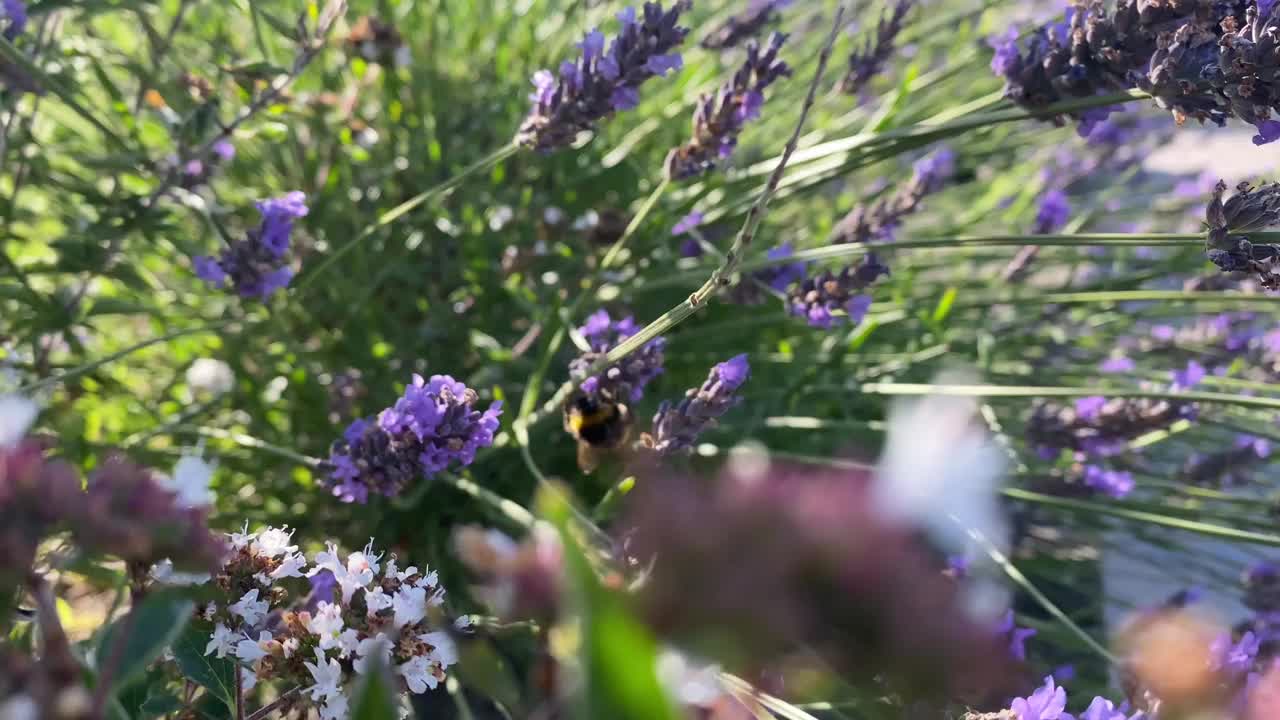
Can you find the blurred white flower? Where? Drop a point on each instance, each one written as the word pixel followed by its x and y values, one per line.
pixel 250 608
pixel 16 415
pixel 19 707
pixel 688 683
pixel 940 471
pixel 410 605
pixel 207 375
pixel 357 573
pixel 273 542
pixel 376 600
pixel 445 652
pixel 419 674
pixel 163 573
pixel 250 650
pixel 327 674
pixel 191 476
pixel 327 623
pixel 222 642
pixel 376 648
pixel 248 679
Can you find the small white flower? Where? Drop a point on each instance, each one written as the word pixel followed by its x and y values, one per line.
pixel 376 600
pixel 357 573
pixel 335 707
pixel 250 608
pixel 242 539
pixel 163 573
pixel 463 622
pixel 290 566
pixel 248 679
pixel 273 542
pixel 262 579
pixel 377 647
pixel 348 641
pixel 290 646
pixel 210 376
pixel 327 674
pixel 222 642
pixel 191 476
pixel 403 576
pixel 16 415
pixel 419 675
pixel 327 623
pixel 444 652
pixel 410 606
pixel 250 650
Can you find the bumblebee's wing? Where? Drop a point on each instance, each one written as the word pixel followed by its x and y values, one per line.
pixel 588 458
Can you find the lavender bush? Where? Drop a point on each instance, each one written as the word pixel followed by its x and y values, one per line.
pixel 929 390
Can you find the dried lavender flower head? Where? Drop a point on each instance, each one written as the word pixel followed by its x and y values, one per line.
pixel 749 24
pixel 433 426
pixel 719 118
pixel 1249 210
pixel 821 298
pixel 676 428
pixel 869 60
pixel 256 265
pixel 600 83
pixel 625 381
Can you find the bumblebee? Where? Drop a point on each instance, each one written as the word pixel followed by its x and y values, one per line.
pixel 599 425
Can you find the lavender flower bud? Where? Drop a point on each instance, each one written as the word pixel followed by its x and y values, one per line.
pixel 676 428
pixel 431 427
pixel 775 277
pixel 879 221
pixel 15 12
pixel 1229 222
pixel 869 60
pixel 747 25
pixel 719 118
pixel 1097 426
pixel 821 296
pixel 600 83
pixel 625 381
pixel 1230 467
pixel 256 265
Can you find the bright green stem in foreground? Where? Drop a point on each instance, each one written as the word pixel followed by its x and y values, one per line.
pixel 485 163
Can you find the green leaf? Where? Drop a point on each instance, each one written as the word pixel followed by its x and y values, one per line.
pixel 374 699
pixel 619 654
pixel 149 628
pixel 217 675
pixel 161 704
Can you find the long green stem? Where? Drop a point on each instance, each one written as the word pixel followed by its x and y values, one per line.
pixel 485 163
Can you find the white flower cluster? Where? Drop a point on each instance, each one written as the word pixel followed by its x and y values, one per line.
pixel 365 614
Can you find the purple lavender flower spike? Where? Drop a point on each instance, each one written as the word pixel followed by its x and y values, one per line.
pixel 869 60
pixel 1188 377
pixel 687 223
pixel 1049 702
pixel 1089 407
pixel 603 81
pixel 625 381
pixel 1054 212
pixel 1005 59
pixel 677 427
pixel 1117 364
pixel 256 265
pixel 1016 636
pixel 820 296
pixel 432 426
pixel 15 11
pixel 718 119
pixel 877 222
pixel 1115 483
pixel 749 24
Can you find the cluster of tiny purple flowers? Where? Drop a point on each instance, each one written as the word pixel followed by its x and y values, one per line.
pixel 434 425
pixel 626 380
pixel 719 118
pixel 677 427
pixel 256 266
pixel 602 82
pixel 1206 61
